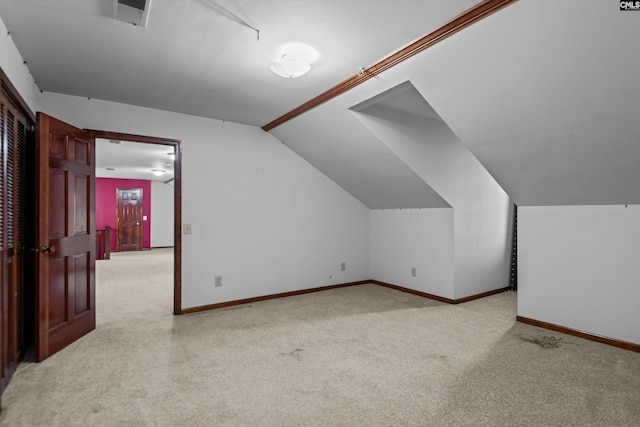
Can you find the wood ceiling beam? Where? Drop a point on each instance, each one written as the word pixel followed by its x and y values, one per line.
pixel 464 20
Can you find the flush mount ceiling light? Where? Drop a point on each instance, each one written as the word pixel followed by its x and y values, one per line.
pixel 157 172
pixel 172 155
pixel 295 59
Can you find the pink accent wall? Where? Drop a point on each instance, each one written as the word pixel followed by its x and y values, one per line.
pixel 107 205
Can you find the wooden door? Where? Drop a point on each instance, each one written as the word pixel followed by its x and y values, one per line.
pixel 15 130
pixel 65 260
pixel 129 219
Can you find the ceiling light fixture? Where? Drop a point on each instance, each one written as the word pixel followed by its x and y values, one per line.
pixel 295 59
pixel 172 155
pixel 157 172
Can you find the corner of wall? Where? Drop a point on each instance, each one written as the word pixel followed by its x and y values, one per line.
pixel 16 69
pixel 578 268
pixel 413 248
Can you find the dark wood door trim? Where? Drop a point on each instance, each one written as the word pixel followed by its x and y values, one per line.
pixel 177 204
pixel 464 20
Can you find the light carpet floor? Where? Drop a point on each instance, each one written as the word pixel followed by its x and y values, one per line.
pixel 358 356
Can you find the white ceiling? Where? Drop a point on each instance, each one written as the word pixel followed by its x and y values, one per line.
pixel 133 160
pixel 201 57
pixel 551 107
pixel 544 92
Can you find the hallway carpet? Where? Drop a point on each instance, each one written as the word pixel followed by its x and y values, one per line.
pixel 358 356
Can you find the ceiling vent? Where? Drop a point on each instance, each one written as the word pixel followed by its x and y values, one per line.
pixel 134 12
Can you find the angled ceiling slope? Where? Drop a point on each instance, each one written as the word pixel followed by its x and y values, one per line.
pixel 544 96
pixel 350 155
pixel 353 157
pixel 374 173
pixel 405 121
pixel 210 58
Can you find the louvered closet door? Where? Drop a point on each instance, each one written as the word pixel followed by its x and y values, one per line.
pixel 13 129
pixel 4 363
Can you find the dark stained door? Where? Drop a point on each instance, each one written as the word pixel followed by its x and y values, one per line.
pixel 65 259
pixel 129 219
pixel 15 136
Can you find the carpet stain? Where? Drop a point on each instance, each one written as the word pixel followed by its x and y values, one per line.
pixel 296 354
pixel 545 341
pixel 438 357
pixel 242 326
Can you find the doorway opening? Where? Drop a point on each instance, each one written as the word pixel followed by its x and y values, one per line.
pixel 140 220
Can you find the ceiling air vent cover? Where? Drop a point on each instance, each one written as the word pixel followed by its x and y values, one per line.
pixel 134 12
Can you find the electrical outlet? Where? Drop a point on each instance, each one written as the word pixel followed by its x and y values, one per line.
pixel 218 281
pixel 343 266
pixel 413 272
pixel 186 228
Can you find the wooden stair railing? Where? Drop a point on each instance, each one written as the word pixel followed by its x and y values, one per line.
pixel 103 243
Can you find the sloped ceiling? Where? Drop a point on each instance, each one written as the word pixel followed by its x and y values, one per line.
pixel 204 57
pixel 544 93
pixel 352 156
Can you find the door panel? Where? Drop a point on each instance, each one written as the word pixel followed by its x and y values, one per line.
pixel 83 302
pixel 82 187
pixel 66 254
pixel 57 295
pixel 57 205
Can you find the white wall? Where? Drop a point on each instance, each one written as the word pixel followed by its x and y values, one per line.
pixel 482 243
pixel 262 217
pixel 162 196
pixel 13 65
pixel 420 238
pixel 578 267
